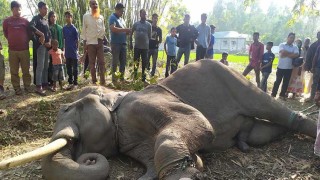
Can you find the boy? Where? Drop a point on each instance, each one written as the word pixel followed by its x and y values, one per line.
pixel 171 42
pixel 71 39
pixel 57 70
pixel 224 59
pixel 2 74
pixel 266 66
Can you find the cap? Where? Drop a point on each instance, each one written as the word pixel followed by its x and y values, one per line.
pixel 119 6
pixel 212 26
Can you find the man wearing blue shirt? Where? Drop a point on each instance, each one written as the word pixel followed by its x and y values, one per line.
pixel 203 39
pixel 266 66
pixel 119 34
pixel 210 51
pixel 71 39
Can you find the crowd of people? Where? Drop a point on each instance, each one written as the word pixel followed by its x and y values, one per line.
pixel 295 58
pixel 56 48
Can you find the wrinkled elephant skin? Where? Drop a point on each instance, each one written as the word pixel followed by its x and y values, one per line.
pixel 203 106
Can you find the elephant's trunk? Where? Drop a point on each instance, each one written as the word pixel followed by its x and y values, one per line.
pixel 70 163
pixel 61 166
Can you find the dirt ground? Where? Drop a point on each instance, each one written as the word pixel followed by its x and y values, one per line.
pixel 27 122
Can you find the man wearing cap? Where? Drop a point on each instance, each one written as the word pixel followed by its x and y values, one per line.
pixel 93 31
pixel 142 33
pixel 16 30
pixel 119 34
pixel 210 52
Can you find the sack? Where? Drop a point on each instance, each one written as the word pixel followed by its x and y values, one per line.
pixel 296 62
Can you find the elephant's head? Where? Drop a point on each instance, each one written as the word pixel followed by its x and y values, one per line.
pixel 87 128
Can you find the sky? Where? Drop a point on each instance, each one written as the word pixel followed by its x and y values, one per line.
pixel 197 7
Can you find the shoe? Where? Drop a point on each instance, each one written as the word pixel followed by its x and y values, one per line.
pixel 40 91
pixel 18 92
pixel 52 89
pixel 70 87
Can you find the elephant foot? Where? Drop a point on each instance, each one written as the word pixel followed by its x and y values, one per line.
pixel 150 175
pixel 184 169
pixel 243 146
pixel 183 174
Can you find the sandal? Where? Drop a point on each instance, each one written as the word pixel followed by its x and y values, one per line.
pixel 41 92
pixel 18 92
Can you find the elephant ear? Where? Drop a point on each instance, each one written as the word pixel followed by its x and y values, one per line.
pixel 112 100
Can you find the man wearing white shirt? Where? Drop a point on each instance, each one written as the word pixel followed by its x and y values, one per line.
pixel 287 52
pixel 93 32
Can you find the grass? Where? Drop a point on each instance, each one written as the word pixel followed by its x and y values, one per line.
pixel 239 59
pixel 5 52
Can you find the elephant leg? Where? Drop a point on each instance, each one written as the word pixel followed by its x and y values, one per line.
pixel 178 142
pixel 144 153
pixel 244 133
pixel 264 132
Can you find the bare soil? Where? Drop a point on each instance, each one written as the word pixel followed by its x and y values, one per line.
pixel 26 123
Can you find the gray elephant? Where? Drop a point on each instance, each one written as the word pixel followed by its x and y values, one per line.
pixel 205 106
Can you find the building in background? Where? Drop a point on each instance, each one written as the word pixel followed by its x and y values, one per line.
pixel 231 41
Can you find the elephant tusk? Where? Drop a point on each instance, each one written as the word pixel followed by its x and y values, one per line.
pixel 33 155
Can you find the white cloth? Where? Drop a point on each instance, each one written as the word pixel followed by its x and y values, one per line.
pixel 286 62
pixel 92 28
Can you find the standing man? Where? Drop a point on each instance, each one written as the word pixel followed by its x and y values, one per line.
pixel 210 51
pixel 93 31
pixel 311 52
pixel 203 39
pixel 287 52
pixel 119 34
pixel 255 57
pixel 308 64
pixel 42 41
pixel 16 31
pixel 156 38
pixel 71 44
pixel 142 33
pixel 187 35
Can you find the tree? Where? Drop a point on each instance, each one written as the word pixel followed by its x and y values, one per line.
pixel 80 7
pixel 248 17
pixel 5 12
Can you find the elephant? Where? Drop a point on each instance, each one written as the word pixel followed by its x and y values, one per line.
pixel 203 107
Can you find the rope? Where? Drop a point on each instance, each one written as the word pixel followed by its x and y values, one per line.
pixel 308 108
pixel 312 113
pixel 292 117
